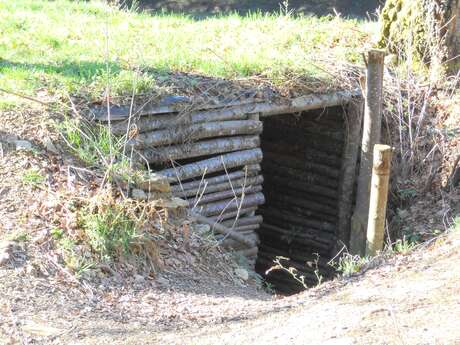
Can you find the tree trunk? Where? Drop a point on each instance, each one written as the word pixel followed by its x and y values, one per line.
pixel 427 31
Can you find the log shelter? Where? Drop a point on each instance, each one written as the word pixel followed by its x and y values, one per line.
pixel 273 179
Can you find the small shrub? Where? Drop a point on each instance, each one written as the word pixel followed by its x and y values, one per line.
pixel 93 145
pixel 350 264
pixel 74 256
pixel 403 246
pixel 33 177
pixel 456 225
pixel 110 230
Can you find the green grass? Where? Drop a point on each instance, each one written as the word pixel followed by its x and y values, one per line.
pixel 94 144
pixel 77 47
pixel 110 231
pixel 32 177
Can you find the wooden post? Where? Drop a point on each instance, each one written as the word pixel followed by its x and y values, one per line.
pixel 378 198
pixel 371 136
pixel 353 120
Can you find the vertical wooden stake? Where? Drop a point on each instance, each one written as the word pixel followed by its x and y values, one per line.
pixel 378 199
pixel 371 136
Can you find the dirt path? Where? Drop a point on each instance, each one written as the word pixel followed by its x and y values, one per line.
pixel 413 300
pixel 416 301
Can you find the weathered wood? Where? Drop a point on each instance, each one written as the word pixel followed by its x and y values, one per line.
pixel 288 236
pixel 233 214
pixel 244 221
pixel 300 175
pixel 311 191
pixel 247 228
pixel 198 149
pixel 289 199
pixel 353 121
pixel 298 163
pixel 169 104
pixel 305 103
pixel 232 244
pixel 378 199
pixel 304 212
pixel 195 132
pixel 246 106
pixel 150 123
pixel 308 153
pixel 211 165
pixel 224 186
pixel 371 136
pixel 219 207
pixel 205 199
pixel 248 252
pixel 245 172
pixel 223 230
pixel 290 216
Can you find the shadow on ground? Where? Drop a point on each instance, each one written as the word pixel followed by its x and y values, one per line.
pixel 199 8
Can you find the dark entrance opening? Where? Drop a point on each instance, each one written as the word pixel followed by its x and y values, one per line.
pixel 302 169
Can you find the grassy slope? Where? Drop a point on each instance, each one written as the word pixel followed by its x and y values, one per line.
pixel 72 47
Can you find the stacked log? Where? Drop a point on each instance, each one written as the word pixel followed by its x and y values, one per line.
pixel 301 168
pixel 213 163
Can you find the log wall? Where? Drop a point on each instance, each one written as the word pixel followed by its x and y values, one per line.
pixel 302 168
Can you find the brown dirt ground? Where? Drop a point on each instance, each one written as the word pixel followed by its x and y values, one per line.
pixel 412 299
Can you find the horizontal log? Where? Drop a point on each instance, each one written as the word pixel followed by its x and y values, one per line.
pixel 150 123
pixel 303 212
pixel 305 103
pixel 232 244
pixel 211 165
pixel 305 126
pixel 302 164
pixel 232 204
pixel 299 175
pixel 287 202
pixel 303 189
pixel 244 221
pixel 289 216
pixel 292 196
pixel 273 234
pixel 289 230
pixel 198 149
pixel 233 214
pixel 224 186
pixel 247 171
pixel 223 230
pixel 195 132
pixel 247 228
pixel 248 252
pixel 173 104
pixel 236 192
pixel 169 104
pixel 305 153
pixel 299 139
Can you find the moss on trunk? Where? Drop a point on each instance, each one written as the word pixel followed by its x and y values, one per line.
pixel 421 31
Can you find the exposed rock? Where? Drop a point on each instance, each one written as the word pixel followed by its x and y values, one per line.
pixel 7 249
pixel 23 145
pixel 242 274
pixel 139 194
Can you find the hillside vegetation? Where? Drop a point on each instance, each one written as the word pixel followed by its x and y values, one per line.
pixel 53 48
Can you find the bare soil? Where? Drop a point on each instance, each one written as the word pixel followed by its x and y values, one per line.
pixel 411 299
